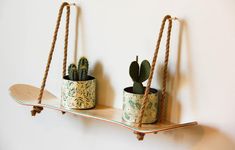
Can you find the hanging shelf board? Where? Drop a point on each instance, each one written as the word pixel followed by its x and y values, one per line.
pixel 27 95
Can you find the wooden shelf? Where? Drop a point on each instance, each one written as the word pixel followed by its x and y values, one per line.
pixel 27 95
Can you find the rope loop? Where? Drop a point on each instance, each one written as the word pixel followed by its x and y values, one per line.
pixel 37 109
pixel 145 98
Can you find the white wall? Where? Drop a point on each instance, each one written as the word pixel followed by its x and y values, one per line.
pixel 111 33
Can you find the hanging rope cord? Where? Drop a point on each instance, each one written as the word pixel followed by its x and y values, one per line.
pixel 145 98
pixel 37 109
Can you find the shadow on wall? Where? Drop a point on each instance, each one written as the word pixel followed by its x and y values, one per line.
pixel 79 36
pixel 202 137
pixel 176 80
pixel 105 91
pixel 76 39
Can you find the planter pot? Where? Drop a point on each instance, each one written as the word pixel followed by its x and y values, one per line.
pixel 78 94
pixel 132 104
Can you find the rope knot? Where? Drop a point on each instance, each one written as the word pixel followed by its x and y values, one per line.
pixel 36 109
pixel 140 136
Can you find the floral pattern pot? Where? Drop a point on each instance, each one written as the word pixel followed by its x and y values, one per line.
pixel 78 94
pixel 132 104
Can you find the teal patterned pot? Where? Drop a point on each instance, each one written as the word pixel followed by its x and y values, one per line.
pixel 78 94
pixel 132 104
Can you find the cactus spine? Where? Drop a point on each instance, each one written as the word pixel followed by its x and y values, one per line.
pixel 139 74
pixel 83 69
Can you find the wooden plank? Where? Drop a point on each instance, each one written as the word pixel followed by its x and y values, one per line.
pixel 27 95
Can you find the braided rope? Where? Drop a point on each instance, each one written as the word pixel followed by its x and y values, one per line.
pixel 141 113
pixel 66 40
pixel 37 109
pixel 162 105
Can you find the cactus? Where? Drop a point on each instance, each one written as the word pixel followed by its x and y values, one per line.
pixel 73 73
pixel 79 73
pixel 83 69
pixel 139 75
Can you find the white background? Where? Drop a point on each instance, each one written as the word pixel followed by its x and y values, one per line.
pixel 111 33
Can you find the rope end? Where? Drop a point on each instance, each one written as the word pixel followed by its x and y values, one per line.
pixel 139 135
pixel 36 109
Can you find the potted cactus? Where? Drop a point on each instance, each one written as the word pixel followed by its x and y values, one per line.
pixel 78 88
pixel 133 96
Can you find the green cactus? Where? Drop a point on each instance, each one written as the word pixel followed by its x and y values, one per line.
pixel 79 73
pixel 73 73
pixel 139 75
pixel 83 69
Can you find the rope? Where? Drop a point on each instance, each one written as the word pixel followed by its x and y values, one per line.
pixel 37 109
pixel 145 98
pixel 162 105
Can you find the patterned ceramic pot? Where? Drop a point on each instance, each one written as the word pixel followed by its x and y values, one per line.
pixel 132 104
pixel 78 94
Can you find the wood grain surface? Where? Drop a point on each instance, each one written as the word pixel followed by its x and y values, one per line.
pixel 27 95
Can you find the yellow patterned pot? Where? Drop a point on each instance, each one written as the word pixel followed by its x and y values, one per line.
pixel 78 94
pixel 132 104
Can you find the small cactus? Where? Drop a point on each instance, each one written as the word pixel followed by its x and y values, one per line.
pixel 139 75
pixel 73 73
pixel 83 69
pixel 79 73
